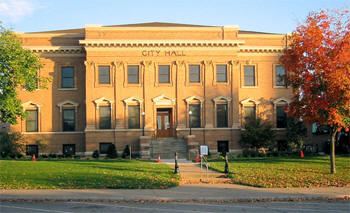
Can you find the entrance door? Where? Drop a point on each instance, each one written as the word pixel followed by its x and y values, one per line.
pixel 164 123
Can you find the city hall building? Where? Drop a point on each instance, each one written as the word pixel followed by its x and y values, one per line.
pixel 157 87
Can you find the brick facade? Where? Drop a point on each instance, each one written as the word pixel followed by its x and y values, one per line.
pixel 148 46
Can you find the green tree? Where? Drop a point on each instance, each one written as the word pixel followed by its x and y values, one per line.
pixel 18 69
pixel 257 134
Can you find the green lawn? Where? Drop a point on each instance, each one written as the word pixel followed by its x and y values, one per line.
pixel 271 172
pixel 79 174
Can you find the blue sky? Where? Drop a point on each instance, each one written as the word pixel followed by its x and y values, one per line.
pixel 278 16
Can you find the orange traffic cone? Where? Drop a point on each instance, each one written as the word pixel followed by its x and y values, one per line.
pixel 159 161
pixel 197 158
pixel 34 159
pixel 302 154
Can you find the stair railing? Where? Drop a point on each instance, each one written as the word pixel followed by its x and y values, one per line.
pixel 204 161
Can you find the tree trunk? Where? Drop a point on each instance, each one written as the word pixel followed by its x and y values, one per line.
pixel 332 153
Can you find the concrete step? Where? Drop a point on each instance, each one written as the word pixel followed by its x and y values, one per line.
pixel 166 148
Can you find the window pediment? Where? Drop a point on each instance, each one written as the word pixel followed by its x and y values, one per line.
pixel 221 98
pixel 281 100
pixel 103 100
pixel 133 100
pixel 30 104
pixel 194 98
pixel 163 100
pixel 68 103
pixel 249 101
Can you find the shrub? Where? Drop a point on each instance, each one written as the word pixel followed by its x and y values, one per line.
pixel 112 152
pixel 126 151
pixel 296 132
pixel 52 155
pixel 257 134
pixel 11 144
pixel 42 144
pixel 95 154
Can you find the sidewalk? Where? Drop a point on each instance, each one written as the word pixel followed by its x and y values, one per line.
pixel 186 193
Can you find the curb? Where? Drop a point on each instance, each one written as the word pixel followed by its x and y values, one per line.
pixel 294 199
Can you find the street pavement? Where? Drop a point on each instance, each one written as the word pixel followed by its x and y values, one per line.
pixel 194 192
pixel 320 206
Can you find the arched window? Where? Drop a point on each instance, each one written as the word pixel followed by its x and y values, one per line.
pixel 280 116
pixel 249 109
pixel 32 123
pixel 195 106
pixel 68 115
pixel 104 113
pixel 222 109
pixel 133 111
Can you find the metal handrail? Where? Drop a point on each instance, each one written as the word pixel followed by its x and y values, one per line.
pixel 205 160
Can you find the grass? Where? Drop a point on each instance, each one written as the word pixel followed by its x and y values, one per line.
pixel 278 172
pixel 79 174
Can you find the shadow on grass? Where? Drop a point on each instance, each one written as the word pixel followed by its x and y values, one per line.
pixel 98 182
pixel 130 166
pixel 278 160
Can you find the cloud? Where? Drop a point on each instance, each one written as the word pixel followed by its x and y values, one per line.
pixel 15 10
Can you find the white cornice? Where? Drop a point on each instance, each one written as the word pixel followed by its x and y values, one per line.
pixel 56 49
pixel 261 49
pixel 160 43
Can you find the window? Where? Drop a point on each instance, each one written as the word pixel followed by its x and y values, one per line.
pixel 68 149
pixel 249 113
pixel 221 73
pixel 195 117
pixel 280 76
pixel 32 121
pixel 67 77
pixel 249 75
pixel 32 150
pixel 194 73
pixel 223 147
pixel 133 74
pixel 134 117
pixel 105 117
pixel 103 75
pixel 68 118
pixel 104 147
pixel 320 129
pixel 164 74
pixel 221 115
pixel 281 117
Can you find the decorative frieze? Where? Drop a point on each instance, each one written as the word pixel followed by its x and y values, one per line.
pixel 56 49
pixel 160 43
pixel 260 49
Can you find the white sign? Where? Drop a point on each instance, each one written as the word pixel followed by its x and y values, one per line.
pixel 203 150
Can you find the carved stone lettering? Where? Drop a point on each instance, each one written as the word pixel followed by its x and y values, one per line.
pixel 162 53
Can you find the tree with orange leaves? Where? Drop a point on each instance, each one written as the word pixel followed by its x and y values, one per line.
pixel 317 63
